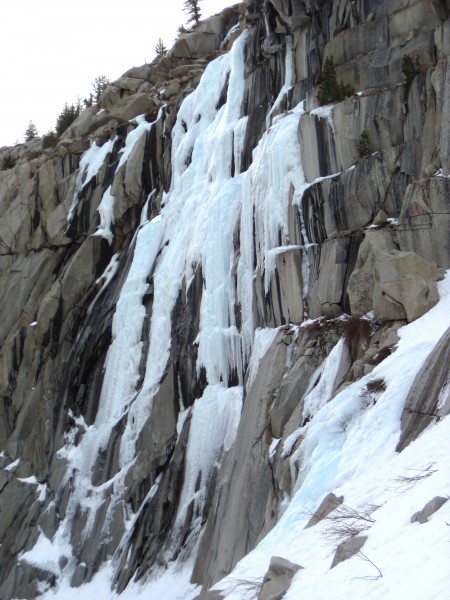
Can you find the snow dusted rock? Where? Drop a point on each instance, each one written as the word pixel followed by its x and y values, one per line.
pixel 347 549
pixel 429 509
pixel 277 578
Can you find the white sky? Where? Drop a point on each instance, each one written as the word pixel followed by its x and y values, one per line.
pixel 50 51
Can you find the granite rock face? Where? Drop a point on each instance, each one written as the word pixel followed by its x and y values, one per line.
pixel 364 242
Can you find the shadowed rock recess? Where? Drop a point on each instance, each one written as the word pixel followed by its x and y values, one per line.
pixel 177 270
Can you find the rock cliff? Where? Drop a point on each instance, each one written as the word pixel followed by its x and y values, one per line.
pixel 195 273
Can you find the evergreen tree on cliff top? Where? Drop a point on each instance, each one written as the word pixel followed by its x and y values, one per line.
pixel 31 132
pixel 160 49
pixel 192 8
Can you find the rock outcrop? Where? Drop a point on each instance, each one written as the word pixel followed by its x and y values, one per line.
pixel 122 335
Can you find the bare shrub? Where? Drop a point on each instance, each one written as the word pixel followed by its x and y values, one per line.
pixel 345 522
pixel 403 483
pixel 375 386
pixel 249 589
pixel 382 353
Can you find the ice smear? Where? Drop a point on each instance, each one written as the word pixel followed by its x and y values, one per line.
pixel 195 228
pixel 323 391
pixel 122 362
pixel 288 78
pixel 221 406
pixel 133 137
pixel 275 171
pixel 106 211
pixel 90 164
pixel 198 216
pixel 197 225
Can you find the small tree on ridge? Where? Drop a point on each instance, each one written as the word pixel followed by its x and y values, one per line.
pixel 192 8
pixel 31 132
pixel 99 85
pixel 160 49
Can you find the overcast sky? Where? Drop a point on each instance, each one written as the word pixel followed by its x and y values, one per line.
pixel 50 51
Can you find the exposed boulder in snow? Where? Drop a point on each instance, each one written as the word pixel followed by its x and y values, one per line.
pixel 328 504
pixel 277 578
pixel 429 509
pixel 348 548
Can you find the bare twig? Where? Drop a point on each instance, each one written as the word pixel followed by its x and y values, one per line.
pixel 403 483
pixel 248 588
pixel 369 577
pixel 346 522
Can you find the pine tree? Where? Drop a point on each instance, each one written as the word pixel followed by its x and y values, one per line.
pixel 329 87
pixel 192 8
pixel 160 49
pixel 31 132
pixel 99 85
pixel 410 68
pixel 330 90
pixel 364 145
pixel 49 139
pixel 67 117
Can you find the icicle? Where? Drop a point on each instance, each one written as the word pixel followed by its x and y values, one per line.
pixel 288 79
pixel 90 164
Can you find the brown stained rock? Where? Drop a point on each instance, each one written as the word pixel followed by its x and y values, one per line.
pixel 328 504
pixel 429 509
pixel 172 88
